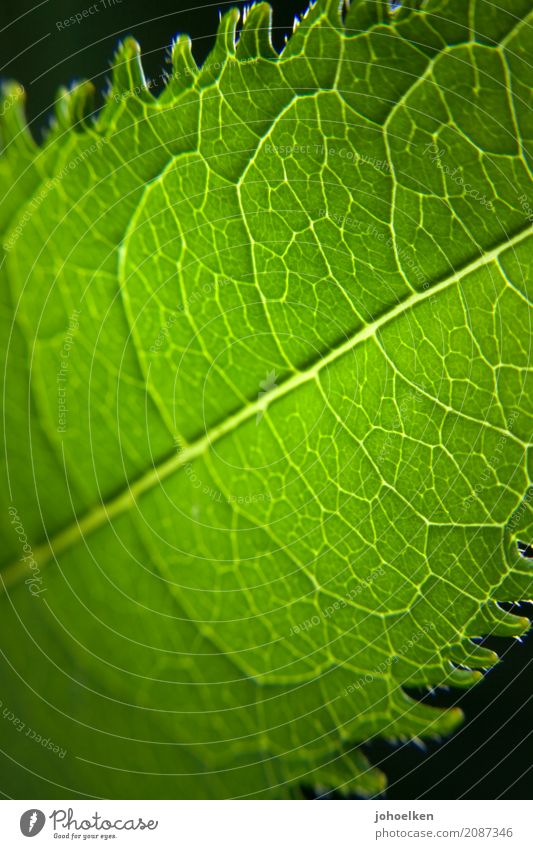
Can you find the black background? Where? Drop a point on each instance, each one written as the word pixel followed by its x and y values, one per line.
pixel 492 755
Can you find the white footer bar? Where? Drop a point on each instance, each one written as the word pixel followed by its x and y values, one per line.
pixel 266 825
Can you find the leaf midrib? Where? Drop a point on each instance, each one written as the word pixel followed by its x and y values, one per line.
pixel 127 498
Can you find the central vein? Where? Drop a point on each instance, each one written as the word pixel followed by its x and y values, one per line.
pixel 127 499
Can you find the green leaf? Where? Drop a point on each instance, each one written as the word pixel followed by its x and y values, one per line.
pixel 267 392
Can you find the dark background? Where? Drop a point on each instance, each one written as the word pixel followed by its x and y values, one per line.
pixel 492 755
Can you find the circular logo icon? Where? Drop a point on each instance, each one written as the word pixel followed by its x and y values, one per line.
pixel 32 822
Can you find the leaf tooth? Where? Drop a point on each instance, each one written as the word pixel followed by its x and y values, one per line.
pixel 14 131
pixel 493 620
pixel 184 69
pixel 463 677
pixel 73 106
pixel 226 39
pixel 346 773
pixel 255 39
pixel 128 82
pixel 326 13
pixel 127 72
pixel 361 14
pixel 423 720
pixel 400 9
pixel 330 9
pixel 518 583
pixel 224 49
pixel 468 653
